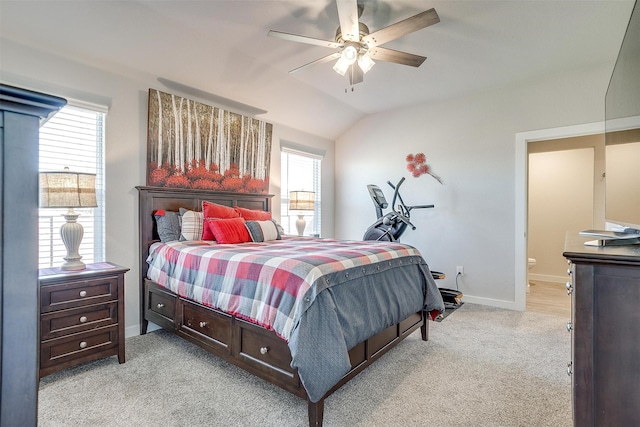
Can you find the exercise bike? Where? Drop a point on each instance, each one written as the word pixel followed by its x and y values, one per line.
pixel 392 225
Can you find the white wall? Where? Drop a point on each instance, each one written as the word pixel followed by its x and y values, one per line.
pixel 470 144
pixel 125 94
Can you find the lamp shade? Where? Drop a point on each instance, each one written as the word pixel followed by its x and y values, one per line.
pixel 67 189
pixel 302 200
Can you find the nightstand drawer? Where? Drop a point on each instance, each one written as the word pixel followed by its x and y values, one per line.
pixel 78 293
pixel 67 322
pixel 91 344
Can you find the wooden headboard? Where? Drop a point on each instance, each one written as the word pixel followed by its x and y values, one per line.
pixel 172 199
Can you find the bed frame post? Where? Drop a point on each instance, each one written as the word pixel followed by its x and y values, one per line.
pixel 316 413
pixel 424 329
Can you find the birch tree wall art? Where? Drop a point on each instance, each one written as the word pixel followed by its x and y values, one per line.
pixel 194 145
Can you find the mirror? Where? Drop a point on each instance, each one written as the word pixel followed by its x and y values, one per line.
pixel 622 131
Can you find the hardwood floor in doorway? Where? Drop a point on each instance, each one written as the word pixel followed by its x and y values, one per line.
pixel 549 298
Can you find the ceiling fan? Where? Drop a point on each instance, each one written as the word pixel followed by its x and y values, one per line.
pixel 358 47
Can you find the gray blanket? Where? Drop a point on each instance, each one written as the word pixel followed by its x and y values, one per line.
pixel 351 306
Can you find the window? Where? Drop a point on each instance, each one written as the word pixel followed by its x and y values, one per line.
pixel 300 171
pixel 73 138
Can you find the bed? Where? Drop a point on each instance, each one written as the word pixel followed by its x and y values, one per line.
pixel 315 344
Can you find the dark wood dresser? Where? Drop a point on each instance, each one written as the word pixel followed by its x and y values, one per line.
pixel 81 316
pixel 605 328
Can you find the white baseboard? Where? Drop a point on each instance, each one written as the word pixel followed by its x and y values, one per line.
pixel 510 305
pixel 132 331
pixel 548 278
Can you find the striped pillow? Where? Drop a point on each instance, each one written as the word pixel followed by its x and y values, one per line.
pixel 263 231
pixel 192 225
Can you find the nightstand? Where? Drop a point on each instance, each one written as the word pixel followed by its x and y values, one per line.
pixel 81 315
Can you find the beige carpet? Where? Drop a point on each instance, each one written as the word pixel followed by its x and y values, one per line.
pixel 481 367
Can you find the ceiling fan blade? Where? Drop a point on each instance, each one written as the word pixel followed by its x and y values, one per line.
pixel 303 39
pixel 317 61
pixel 390 55
pixel 355 74
pixel 348 16
pixel 402 28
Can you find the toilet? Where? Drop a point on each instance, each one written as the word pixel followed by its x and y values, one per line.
pixel 531 262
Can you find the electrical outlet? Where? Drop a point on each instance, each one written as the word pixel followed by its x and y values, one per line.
pixel 460 270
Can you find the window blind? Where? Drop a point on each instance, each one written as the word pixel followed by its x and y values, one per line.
pixel 300 171
pixel 73 138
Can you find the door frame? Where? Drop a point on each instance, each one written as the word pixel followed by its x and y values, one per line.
pixel 521 195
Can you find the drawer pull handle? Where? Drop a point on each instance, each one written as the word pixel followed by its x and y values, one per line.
pixel 83 294
pixel 83 344
pixel 202 324
pixel 569 326
pixel 160 305
pixel 569 287
pixel 264 350
pixel 83 319
pixel 569 370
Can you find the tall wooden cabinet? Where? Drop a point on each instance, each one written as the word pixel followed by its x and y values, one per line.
pixel 21 112
pixel 605 328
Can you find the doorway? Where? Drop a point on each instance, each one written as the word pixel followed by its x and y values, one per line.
pixel 560 200
pixel 554 136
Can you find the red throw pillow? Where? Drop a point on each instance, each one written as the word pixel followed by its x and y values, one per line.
pixel 230 230
pixel 215 211
pixel 253 214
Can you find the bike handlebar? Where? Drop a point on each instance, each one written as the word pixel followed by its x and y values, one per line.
pixel 404 208
pixel 395 192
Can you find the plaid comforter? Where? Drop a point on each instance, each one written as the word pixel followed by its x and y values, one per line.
pixel 322 296
pixel 269 283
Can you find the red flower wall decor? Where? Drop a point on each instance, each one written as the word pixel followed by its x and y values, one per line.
pixel 417 165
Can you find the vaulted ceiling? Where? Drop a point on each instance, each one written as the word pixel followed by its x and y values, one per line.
pixel 221 48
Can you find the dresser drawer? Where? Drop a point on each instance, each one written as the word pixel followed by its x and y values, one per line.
pixel 66 322
pixel 90 344
pixel 78 293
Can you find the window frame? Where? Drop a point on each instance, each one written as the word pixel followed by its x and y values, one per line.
pixel 314 226
pixel 51 219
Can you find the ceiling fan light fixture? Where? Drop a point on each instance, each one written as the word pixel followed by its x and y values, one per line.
pixel 365 63
pixel 349 54
pixel 341 66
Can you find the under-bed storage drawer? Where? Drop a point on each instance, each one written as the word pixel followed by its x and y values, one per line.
pixel 357 354
pixel 379 341
pixel 206 325
pixel 265 351
pixel 410 322
pixel 161 305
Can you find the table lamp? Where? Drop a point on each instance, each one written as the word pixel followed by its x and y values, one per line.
pixel 301 201
pixel 66 189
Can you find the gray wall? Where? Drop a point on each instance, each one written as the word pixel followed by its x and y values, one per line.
pixel 126 134
pixel 470 144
